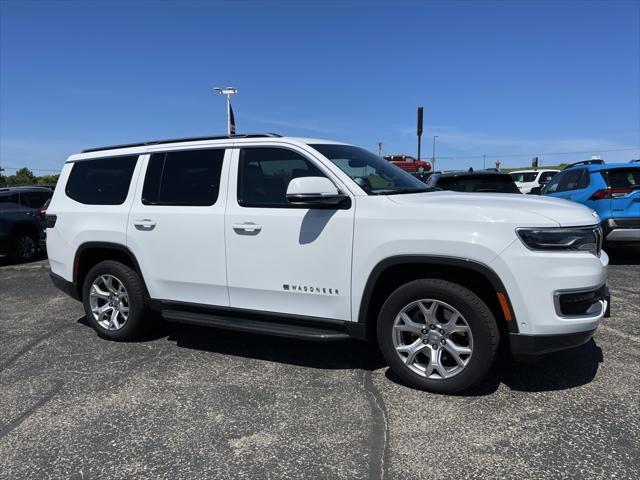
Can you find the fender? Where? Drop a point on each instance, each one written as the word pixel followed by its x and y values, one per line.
pixel 104 246
pixel 434 260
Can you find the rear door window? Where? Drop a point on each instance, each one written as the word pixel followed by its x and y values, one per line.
pixel 188 178
pixel 102 181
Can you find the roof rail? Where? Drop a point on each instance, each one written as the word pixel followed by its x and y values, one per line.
pixel 597 161
pixel 188 139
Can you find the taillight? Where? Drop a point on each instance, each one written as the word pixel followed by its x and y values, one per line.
pixel 40 213
pixel 610 193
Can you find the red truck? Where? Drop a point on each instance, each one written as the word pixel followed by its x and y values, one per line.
pixel 409 163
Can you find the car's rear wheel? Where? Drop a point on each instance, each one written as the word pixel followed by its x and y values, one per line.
pixel 24 247
pixel 437 336
pixel 115 301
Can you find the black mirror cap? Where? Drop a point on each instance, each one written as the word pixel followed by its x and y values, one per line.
pixel 338 201
pixel 535 191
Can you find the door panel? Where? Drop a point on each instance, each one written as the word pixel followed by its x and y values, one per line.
pixel 180 247
pixel 282 258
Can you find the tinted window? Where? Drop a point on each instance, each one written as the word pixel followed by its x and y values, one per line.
pixel 103 181
pixel 265 173
pixel 552 186
pixel 34 199
pixel 13 198
pixel 479 183
pixel 190 177
pixel 622 177
pixel 573 180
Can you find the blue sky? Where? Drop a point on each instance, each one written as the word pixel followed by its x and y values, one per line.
pixel 502 79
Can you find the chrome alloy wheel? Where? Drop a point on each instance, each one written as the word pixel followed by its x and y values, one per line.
pixel 433 339
pixel 109 302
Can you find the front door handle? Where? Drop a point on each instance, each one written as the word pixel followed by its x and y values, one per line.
pixel 145 224
pixel 247 227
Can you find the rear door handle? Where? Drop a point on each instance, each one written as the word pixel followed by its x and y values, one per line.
pixel 145 224
pixel 247 227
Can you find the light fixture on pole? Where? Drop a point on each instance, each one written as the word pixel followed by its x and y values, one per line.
pixel 231 121
pixel 433 154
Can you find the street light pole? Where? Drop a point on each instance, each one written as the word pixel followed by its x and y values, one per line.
pixel 433 153
pixel 231 122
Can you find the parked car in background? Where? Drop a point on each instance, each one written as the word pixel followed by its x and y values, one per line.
pixel 528 179
pixel 612 190
pixel 408 163
pixel 20 216
pixel 488 181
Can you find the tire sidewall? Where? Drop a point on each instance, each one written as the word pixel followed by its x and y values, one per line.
pixel 475 312
pixel 137 305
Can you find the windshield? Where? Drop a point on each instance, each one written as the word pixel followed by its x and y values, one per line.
pixel 523 177
pixel 373 174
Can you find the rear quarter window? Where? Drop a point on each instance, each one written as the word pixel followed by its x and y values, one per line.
pixel 622 177
pixel 102 181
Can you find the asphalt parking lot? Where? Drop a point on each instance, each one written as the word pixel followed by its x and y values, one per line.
pixel 192 402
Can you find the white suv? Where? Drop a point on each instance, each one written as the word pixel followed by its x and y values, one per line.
pixel 528 179
pixel 319 240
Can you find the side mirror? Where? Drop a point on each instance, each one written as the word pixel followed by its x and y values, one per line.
pixel 535 191
pixel 316 192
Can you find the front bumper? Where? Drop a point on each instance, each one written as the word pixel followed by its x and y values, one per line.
pixel 622 230
pixel 553 293
pixel 534 345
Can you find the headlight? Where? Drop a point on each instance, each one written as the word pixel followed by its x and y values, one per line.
pixel 588 239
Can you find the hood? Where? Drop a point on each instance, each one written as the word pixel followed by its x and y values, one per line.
pixel 497 206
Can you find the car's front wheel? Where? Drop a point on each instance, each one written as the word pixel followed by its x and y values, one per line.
pixel 115 301
pixel 437 336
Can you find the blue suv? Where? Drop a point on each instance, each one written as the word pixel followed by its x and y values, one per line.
pixel 612 190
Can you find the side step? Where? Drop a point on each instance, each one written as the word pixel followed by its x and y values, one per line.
pixel 279 329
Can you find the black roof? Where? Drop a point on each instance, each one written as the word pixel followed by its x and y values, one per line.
pixel 188 139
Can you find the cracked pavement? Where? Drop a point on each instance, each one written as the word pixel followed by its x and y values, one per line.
pixel 193 402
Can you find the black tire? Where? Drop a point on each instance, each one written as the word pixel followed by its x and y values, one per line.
pixel 478 316
pixel 19 251
pixel 138 322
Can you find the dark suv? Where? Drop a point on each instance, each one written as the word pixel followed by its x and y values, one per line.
pixel 20 222
pixel 487 181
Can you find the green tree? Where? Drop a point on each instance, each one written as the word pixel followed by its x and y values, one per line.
pixel 24 176
pixel 48 180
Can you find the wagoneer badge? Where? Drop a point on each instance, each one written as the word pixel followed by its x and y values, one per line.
pixel 309 289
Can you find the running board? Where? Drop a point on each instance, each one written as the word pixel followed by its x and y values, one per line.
pixel 278 329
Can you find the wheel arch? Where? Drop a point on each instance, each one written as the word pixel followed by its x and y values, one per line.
pixel 394 271
pixel 91 253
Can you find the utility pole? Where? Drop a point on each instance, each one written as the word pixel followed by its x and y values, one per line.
pixel 380 149
pixel 419 129
pixel 231 121
pixel 484 161
pixel 433 154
